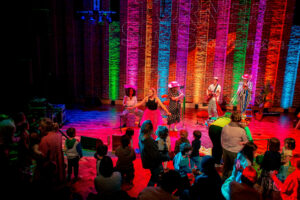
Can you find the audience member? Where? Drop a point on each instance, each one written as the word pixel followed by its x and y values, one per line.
pixel 183 139
pixel 150 155
pixel 244 159
pixel 101 151
pixel 130 132
pixel 196 144
pixel 169 183
pixel 74 153
pixel 126 156
pixel 207 185
pixel 271 162
pixel 214 132
pixel 51 148
pixel 107 182
pixel 164 144
pixel 245 190
pixel 233 138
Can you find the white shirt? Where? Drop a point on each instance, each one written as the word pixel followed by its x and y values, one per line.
pixel 212 89
pixel 130 102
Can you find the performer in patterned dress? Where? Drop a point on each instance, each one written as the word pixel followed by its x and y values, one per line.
pixel 244 92
pixel 174 95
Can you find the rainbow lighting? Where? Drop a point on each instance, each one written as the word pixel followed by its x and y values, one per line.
pixel 257 45
pixel 201 50
pixel 164 46
pixel 276 31
pixel 183 40
pixel 148 47
pixel 292 63
pixel 221 39
pixel 239 56
pixel 132 42
pixel 114 59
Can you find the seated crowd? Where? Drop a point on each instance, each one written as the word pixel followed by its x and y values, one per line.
pixel 32 164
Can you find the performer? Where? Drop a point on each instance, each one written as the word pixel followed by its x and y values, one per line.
pixel 213 93
pixel 244 92
pixel 174 95
pixel 129 101
pixel 152 113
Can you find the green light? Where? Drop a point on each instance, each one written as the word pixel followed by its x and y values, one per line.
pixel 114 59
pixel 240 50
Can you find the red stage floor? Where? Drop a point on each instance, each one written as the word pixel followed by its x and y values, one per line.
pixel 103 122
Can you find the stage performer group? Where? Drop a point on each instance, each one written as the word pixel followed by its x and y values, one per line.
pixel 152 102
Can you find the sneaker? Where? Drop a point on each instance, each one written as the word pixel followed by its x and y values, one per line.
pixel 175 129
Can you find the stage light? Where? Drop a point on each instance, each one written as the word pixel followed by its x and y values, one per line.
pixel 83 17
pixel 108 18
pixel 92 18
pixel 100 19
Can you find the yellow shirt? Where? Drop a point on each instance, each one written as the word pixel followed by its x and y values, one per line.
pixel 221 122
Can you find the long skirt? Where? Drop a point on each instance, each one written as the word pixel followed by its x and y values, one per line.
pixel 244 100
pixel 154 116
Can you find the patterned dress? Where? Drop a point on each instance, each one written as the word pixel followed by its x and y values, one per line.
pixel 244 95
pixel 174 108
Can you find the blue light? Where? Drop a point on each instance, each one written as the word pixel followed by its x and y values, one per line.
pixel 164 48
pixel 92 18
pixel 290 74
pixel 100 20
pixel 83 17
pixel 108 18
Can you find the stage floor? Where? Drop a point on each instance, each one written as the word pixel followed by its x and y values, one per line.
pixel 103 122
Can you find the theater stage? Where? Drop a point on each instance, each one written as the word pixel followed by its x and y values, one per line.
pixel 103 122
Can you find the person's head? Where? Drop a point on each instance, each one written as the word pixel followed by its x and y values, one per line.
pixel 152 92
pixel 162 132
pixel 102 150
pixel 249 176
pixel 19 119
pixel 216 80
pixel 290 143
pixel 106 166
pixel 236 116
pixel 130 92
pixel 197 134
pixel 129 132
pixel 71 132
pixel 46 125
pixel 274 144
pixel 185 149
pixel 7 130
pixel 125 140
pixel 249 151
pixel 170 181
pixel 146 128
pixel 183 133
pixel 207 165
pixel 55 127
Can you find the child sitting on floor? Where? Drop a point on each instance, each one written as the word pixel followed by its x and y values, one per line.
pixel 196 144
pixel 183 139
pixel 129 132
pixel 286 155
pixel 100 153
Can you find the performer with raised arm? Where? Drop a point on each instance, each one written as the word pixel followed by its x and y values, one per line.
pixel 213 93
pixel 175 96
pixel 129 101
pixel 244 92
pixel 152 112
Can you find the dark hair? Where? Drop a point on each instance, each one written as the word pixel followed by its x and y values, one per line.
pixel 106 166
pixel 170 181
pixel 18 118
pixel 147 127
pixel 236 116
pixel 274 144
pixel 129 132
pixel 125 140
pixel 46 125
pixel 162 132
pixel 291 143
pixel 102 150
pixel 246 181
pixel 197 134
pixel 185 147
pixel 127 90
pixel 71 132
pixel 248 150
